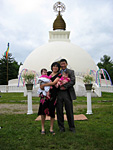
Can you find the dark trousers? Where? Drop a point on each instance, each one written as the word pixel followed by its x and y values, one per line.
pixel 64 97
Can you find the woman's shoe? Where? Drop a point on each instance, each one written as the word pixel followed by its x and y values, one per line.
pixel 43 132
pixel 52 132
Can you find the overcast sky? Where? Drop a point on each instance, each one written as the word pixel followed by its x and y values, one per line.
pixel 25 25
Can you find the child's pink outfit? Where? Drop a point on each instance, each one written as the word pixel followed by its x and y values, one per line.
pixel 61 82
pixel 44 79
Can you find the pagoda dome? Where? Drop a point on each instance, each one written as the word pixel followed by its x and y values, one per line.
pixel 78 59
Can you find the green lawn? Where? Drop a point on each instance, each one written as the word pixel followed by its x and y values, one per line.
pixel 20 98
pixel 15 98
pixel 21 132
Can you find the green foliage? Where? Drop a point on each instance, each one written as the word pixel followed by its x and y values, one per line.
pixel 29 76
pixel 88 79
pixel 107 64
pixel 13 69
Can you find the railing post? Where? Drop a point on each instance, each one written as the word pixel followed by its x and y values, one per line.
pixel 29 100
pixel 89 105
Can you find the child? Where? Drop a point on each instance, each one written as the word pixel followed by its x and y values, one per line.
pixel 64 79
pixel 44 79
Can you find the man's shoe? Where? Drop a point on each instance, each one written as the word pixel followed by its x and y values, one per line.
pixel 72 130
pixel 62 130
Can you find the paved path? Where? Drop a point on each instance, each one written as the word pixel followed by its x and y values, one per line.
pixel 22 108
pixel 16 108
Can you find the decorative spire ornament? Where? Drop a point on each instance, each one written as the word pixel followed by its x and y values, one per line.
pixel 59 23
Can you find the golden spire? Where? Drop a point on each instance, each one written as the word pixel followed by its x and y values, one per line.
pixel 59 23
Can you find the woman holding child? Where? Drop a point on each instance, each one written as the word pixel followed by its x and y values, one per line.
pixel 48 103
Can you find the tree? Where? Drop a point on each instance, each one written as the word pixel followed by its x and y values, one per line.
pixel 13 68
pixel 107 64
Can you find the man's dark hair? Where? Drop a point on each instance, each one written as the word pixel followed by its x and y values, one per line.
pixel 43 70
pixel 55 64
pixel 62 60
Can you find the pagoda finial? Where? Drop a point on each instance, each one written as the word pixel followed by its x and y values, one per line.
pixel 59 23
pixel 59 7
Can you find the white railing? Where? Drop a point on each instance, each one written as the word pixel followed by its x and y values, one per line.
pixel 97 90
pixel 107 89
pixel 5 88
pixel 80 88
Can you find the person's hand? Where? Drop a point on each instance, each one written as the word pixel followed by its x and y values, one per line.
pixel 42 87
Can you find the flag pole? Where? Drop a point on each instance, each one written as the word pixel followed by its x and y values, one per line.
pixel 6 54
pixel 7 70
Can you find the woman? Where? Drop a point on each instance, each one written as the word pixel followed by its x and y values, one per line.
pixel 47 106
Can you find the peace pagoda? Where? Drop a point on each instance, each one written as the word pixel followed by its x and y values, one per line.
pixel 59 46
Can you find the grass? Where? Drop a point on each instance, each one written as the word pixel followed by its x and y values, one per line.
pixel 21 132
pixel 20 98
pixel 15 98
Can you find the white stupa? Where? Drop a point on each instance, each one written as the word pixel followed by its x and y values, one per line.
pixel 59 46
pixel 42 57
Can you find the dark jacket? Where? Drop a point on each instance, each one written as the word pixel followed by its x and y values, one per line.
pixel 69 85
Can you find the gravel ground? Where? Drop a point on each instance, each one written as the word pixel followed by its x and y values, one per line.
pixel 16 108
pixel 22 108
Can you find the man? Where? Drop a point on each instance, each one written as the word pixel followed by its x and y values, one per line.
pixel 66 96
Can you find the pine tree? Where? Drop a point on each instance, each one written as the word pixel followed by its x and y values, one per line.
pixel 13 68
pixel 107 64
